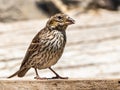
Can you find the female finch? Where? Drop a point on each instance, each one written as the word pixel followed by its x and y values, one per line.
pixel 46 47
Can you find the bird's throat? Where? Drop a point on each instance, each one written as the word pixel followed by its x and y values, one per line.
pixel 61 28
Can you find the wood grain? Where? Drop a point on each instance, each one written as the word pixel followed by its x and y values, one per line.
pixel 71 84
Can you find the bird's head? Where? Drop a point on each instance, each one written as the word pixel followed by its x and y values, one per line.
pixel 59 22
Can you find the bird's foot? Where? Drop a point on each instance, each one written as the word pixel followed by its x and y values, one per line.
pixel 59 77
pixel 39 78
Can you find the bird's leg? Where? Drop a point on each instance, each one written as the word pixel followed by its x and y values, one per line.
pixel 57 76
pixel 37 75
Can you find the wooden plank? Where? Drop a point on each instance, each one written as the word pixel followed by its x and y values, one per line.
pixel 71 84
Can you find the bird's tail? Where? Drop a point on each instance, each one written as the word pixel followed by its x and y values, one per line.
pixel 13 74
pixel 20 73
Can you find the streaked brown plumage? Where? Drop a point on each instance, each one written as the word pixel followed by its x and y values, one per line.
pixel 47 46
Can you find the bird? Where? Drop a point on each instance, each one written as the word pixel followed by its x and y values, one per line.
pixel 46 47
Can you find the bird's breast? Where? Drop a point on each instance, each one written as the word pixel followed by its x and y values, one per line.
pixel 55 41
pixel 52 50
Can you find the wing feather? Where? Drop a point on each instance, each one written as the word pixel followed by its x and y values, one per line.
pixel 31 49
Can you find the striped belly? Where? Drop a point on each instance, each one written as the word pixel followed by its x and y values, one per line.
pixel 48 57
pixel 49 53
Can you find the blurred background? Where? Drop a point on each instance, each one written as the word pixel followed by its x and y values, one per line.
pixel 93 43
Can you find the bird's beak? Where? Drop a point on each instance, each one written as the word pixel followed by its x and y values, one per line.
pixel 70 21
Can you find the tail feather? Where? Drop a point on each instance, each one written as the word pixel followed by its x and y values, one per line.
pixel 20 73
pixel 23 72
pixel 13 74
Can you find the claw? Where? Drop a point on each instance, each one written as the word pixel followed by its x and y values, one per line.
pixel 39 78
pixel 59 77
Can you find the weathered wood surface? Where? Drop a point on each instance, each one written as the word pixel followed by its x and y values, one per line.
pixel 92 50
pixel 60 84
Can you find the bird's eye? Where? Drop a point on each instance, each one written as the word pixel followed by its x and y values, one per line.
pixel 59 17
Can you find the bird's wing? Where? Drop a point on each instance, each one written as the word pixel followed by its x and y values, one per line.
pixel 32 48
